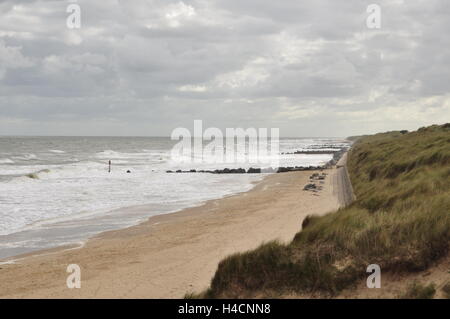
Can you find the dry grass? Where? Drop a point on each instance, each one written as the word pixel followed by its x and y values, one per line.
pixel 446 290
pixel 419 291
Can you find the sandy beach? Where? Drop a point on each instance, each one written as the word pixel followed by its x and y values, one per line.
pixel 171 255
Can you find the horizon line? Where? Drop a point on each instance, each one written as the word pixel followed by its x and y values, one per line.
pixel 150 136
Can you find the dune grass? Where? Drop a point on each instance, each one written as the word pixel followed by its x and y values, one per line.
pixel 419 291
pixel 446 290
pixel 400 220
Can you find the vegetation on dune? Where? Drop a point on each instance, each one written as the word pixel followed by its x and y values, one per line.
pixel 400 220
pixel 419 291
pixel 446 290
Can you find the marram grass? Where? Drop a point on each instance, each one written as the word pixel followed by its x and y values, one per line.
pixel 400 220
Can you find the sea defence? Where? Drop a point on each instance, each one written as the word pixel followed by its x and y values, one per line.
pixel 337 155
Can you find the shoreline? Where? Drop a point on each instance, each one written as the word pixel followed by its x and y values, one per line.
pixel 133 208
pixel 176 253
pixel 81 243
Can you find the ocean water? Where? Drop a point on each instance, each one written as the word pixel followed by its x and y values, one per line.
pixel 57 190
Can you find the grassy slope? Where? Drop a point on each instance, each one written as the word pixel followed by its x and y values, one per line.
pixel 400 220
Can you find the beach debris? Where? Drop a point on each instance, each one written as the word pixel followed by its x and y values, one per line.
pixel 309 187
pixel 317 176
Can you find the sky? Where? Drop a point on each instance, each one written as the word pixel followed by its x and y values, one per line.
pixel 144 68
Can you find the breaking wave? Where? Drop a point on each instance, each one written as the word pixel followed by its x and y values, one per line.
pixel 26 157
pixel 6 161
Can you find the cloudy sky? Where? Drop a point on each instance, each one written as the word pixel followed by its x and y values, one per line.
pixel 310 68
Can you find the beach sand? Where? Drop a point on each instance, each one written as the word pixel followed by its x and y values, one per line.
pixel 174 254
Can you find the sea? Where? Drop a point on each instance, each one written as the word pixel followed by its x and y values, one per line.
pixel 58 190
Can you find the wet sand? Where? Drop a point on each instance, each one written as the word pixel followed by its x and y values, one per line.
pixel 174 254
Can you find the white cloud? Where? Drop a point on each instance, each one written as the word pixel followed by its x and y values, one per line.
pixel 250 75
pixel 12 58
pixel 192 88
pixel 177 13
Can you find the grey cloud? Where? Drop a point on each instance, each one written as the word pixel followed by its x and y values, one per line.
pixel 146 67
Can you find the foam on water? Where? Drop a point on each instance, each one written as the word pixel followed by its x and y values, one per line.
pixel 6 161
pixel 26 157
pixel 58 190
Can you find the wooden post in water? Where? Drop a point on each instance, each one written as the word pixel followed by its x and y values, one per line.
pixel 109 168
